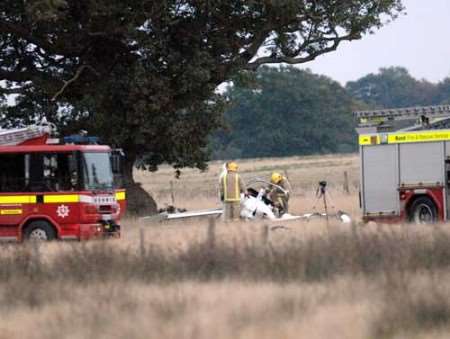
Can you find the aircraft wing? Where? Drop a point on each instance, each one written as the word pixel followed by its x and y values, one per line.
pixel 199 213
pixel 184 215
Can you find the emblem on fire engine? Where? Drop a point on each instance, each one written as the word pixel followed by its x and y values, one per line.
pixel 63 211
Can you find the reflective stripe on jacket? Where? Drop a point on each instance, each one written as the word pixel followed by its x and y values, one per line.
pixel 231 187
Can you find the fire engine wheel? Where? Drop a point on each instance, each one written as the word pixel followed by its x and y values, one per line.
pixel 423 211
pixel 39 231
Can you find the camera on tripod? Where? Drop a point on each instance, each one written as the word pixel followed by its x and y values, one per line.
pixel 322 187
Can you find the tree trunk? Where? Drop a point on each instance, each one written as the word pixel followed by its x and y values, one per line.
pixel 139 201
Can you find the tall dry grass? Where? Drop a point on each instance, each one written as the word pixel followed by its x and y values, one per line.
pixel 237 251
pixel 337 281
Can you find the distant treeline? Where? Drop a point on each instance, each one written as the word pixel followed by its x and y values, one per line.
pixel 287 111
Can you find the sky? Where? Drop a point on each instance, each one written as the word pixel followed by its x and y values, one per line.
pixel 419 41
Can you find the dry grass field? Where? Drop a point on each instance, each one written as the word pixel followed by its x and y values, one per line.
pixel 176 280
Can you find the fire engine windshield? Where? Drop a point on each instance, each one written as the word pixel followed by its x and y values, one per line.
pixel 97 173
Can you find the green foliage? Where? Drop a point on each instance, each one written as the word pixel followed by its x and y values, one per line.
pixel 142 73
pixel 394 87
pixel 443 92
pixel 287 112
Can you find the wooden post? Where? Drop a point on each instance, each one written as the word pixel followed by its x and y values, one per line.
pixel 325 206
pixel 346 186
pixel 172 193
pixel 211 240
pixel 354 230
pixel 141 241
pixel 36 252
pixel 265 235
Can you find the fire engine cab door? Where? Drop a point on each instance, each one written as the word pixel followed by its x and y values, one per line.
pixel 380 177
pixel 14 200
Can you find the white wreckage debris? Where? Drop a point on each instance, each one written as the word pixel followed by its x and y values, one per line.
pixel 257 206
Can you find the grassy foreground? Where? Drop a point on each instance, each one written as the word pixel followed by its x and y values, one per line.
pixel 339 282
pixel 244 280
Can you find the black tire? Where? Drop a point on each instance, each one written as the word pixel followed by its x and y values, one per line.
pixel 40 231
pixel 423 211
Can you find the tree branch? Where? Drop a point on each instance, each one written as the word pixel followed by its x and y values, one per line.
pixel 298 60
pixel 75 78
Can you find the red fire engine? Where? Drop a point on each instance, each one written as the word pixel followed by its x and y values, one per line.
pixel 52 190
pixel 405 164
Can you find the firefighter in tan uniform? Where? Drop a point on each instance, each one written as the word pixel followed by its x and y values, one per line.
pixel 280 193
pixel 231 187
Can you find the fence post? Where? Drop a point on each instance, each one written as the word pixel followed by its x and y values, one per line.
pixel 346 186
pixel 286 174
pixel 172 193
pixel 141 241
pixel 211 240
pixel 265 235
pixel 36 253
pixel 354 229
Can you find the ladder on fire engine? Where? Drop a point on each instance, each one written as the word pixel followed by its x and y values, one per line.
pixel 419 118
pixel 34 134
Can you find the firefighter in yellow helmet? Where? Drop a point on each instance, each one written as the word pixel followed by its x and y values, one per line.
pixel 231 187
pixel 279 192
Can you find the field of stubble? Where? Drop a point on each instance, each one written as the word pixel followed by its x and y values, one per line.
pixel 177 280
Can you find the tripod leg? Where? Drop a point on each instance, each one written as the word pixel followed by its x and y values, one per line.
pixel 318 197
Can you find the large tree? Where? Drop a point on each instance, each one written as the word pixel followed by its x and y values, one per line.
pixel 142 74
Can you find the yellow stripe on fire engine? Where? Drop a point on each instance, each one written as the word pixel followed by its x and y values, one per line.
pixel 59 198
pixel 18 199
pixel 120 195
pixel 405 137
pixel 400 138
pixel 369 139
pixel 11 212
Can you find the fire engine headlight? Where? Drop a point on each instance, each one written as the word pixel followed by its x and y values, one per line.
pixel 115 208
pixel 99 228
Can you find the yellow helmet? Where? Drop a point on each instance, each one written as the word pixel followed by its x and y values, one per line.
pixel 276 178
pixel 232 166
